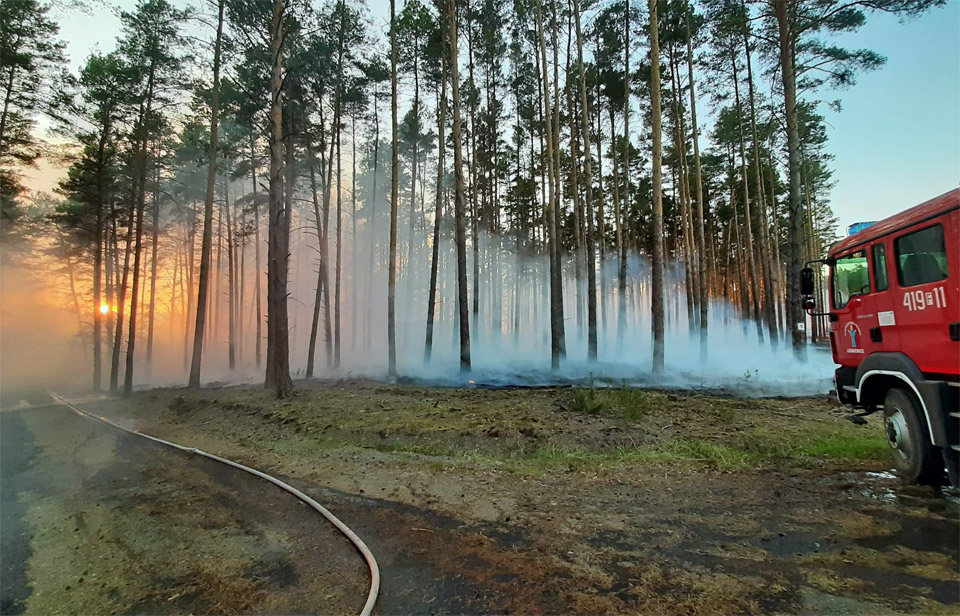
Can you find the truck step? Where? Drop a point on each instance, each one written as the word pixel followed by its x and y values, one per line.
pixel 955 447
pixel 850 388
pixel 957 415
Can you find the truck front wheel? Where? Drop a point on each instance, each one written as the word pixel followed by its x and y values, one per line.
pixel 913 455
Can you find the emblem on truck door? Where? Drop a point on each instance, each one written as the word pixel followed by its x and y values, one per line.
pixel 853 330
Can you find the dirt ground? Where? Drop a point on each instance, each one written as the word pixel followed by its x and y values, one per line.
pixel 559 500
pixel 96 521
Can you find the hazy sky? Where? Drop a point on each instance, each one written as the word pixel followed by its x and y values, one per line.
pixel 896 142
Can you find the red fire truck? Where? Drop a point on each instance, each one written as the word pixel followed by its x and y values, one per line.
pixel 894 312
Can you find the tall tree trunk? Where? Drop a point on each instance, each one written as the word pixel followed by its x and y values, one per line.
pixel 190 257
pixel 579 236
pixel 621 247
pixel 326 173
pixel 231 277
pixel 338 112
pixel 354 258
pixel 153 276
pixel 207 240
pixel 556 314
pixel 474 188
pixel 750 263
pixel 394 197
pixel 625 198
pixel 373 217
pixel 657 231
pixel 438 216
pixel 682 184
pixel 278 246
pixel 701 223
pixel 408 271
pixel 460 198
pixel 557 287
pixel 765 264
pixel 588 181
pixel 795 318
pixel 109 257
pixel 121 302
pixel 339 255
pixel 101 248
pixel 321 239
pixel 141 195
pixel 257 269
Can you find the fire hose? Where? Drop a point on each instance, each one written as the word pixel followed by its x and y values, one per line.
pixel 343 528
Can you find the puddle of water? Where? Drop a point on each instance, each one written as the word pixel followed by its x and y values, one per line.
pixel 886 487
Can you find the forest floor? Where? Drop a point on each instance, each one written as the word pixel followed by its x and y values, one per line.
pixel 560 500
pixel 97 521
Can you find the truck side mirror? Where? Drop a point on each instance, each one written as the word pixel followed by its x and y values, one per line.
pixel 806 281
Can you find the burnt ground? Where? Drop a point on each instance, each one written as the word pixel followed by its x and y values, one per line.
pixel 592 501
pixel 96 521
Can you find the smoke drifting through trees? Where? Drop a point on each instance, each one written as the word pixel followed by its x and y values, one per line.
pixel 562 233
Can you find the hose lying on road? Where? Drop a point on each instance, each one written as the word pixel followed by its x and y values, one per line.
pixel 343 528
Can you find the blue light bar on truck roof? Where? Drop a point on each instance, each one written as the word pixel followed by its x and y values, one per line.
pixel 857 227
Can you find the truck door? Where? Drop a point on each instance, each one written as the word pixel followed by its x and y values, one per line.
pixel 853 304
pixel 885 298
pixel 927 296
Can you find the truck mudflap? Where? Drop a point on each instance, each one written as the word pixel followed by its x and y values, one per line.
pixel 939 399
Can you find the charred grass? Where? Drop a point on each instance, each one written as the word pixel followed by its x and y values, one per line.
pixel 535 430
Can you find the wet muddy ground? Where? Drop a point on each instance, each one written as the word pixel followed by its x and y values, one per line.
pixel 592 501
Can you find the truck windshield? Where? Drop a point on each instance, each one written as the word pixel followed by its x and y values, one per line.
pixel 850 278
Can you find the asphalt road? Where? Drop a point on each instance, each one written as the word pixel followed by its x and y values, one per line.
pixel 93 520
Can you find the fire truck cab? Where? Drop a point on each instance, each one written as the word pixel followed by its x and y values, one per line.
pixel 894 313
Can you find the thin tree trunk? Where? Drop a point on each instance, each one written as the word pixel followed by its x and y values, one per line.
pixel 140 205
pixel 588 181
pixel 231 278
pixel 557 287
pixel 434 262
pixel 556 315
pixel 207 241
pixel 625 206
pixel 657 231
pixel 701 222
pixel 153 278
pixel 460 198
pixel 258 272
pixel 765 265
pixel 795 318
pixel 474 208
pixel 394 197
pixel 321 239
pixel 750 264
pixel 339 255
pixel 336 125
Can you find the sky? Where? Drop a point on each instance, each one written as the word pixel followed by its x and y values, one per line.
pixel 897 138
pixel 896 141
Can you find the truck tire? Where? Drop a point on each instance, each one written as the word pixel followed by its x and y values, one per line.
pixel 915 458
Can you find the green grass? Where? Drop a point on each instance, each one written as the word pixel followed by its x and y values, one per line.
pixel 861 447
pixel 551 457
pixel 730 446
pixel 634 404
pixel 587 401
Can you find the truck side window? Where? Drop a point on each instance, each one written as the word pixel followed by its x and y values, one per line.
pixel 880 277
pixel 850 278
pixel 921 257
